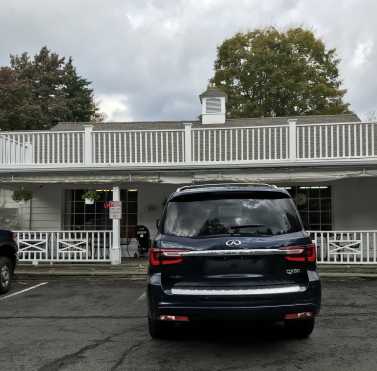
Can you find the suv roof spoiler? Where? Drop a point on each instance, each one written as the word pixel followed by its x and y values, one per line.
pixel 215 185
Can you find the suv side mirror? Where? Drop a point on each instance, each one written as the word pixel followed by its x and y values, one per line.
pixel 157 223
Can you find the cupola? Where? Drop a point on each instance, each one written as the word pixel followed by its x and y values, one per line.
pixel 213 106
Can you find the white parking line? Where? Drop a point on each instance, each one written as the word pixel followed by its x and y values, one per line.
pixel 142 296
pixel 22 291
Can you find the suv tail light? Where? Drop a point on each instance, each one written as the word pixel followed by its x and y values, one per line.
pixel 307 253
pixel 165 256
pixel 14 236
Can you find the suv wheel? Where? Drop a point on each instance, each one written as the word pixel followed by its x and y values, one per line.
pixel 5 274
pixel 301 328
pixel 158 329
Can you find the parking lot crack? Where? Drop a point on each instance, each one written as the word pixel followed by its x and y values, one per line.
pixel 71 358
pixel 127 352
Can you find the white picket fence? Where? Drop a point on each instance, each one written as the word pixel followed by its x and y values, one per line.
pixel 346 247
pixel 333 247
pixel 190 145
pixel 64 246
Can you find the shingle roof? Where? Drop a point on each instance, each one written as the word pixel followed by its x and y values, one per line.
pixel 257 121
pixel 308 119
pixel 212 92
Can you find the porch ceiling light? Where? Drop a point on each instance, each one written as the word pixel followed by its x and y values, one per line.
pixel 132 190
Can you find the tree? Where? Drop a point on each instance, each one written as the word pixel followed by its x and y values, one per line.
pixel 37 93
pixel 272 73
pixel 16 107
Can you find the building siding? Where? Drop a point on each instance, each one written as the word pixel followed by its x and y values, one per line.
pixel 354 205
pixel 46 207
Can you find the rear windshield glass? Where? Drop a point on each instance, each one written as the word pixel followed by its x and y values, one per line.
pixel 238 215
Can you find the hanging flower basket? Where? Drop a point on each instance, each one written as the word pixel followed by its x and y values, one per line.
pixel 22 195
pixel 90 197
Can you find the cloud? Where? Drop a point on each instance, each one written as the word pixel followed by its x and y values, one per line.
pixel 149 59
pixel 362 53
pixel 114 106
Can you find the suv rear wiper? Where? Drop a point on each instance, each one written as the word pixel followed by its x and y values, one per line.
pixel 246 226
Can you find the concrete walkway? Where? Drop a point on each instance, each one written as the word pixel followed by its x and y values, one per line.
pixel 137 269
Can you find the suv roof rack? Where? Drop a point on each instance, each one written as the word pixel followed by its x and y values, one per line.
pixel 214 185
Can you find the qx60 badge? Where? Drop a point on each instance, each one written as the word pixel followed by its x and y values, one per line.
pixel 233 243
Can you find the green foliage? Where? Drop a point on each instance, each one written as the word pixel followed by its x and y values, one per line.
pixel 22 195
pixel 272 73
pixel 91 195
pixel 37 93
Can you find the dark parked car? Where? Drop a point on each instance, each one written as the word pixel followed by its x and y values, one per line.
pixel 232 252
pixel 8 259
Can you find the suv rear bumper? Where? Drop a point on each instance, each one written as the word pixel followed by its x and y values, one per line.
pixel 254 307
pixel 270 313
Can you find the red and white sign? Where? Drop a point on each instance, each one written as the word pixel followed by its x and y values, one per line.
pixel 115 209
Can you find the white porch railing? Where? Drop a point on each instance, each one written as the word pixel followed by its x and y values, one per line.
pixel 14 150
pixel 346 247
pixel 288 144
pixel 250 144
pixel 41 148
pixel 333 247
pixel 336 141
pixel 64 246
pixel 138 147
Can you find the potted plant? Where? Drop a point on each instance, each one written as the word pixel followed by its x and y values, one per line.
pixel 90 197
pixel 22 195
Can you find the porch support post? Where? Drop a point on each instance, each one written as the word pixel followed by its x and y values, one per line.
pixel 115 253
pixel 292 139
pixel 188 142
pixel 88 144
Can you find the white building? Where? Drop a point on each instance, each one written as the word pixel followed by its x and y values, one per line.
pixel 329 164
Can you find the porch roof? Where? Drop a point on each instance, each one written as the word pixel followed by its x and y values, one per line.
pixel 178 176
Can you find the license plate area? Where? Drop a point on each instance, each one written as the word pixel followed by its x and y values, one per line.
pixel 237 265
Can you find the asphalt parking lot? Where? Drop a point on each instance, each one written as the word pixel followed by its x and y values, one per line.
pixel 100 324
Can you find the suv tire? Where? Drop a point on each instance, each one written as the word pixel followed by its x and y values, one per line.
pixel 5 274
pixel 158 329
pixel 301 328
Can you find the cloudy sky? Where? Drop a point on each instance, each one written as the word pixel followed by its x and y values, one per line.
pixel 149 59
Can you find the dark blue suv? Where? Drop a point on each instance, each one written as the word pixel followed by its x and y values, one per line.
pixel 232 252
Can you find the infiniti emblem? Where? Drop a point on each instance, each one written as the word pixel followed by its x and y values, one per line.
pixel 233 243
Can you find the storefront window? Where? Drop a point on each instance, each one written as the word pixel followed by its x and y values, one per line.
pixel 79 216
pixel 314 205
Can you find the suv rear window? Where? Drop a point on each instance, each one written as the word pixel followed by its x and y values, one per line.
pixel 257 214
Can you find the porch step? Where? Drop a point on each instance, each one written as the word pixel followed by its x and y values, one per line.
pixel 137 269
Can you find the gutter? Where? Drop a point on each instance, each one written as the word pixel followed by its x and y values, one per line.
pixel 186 166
